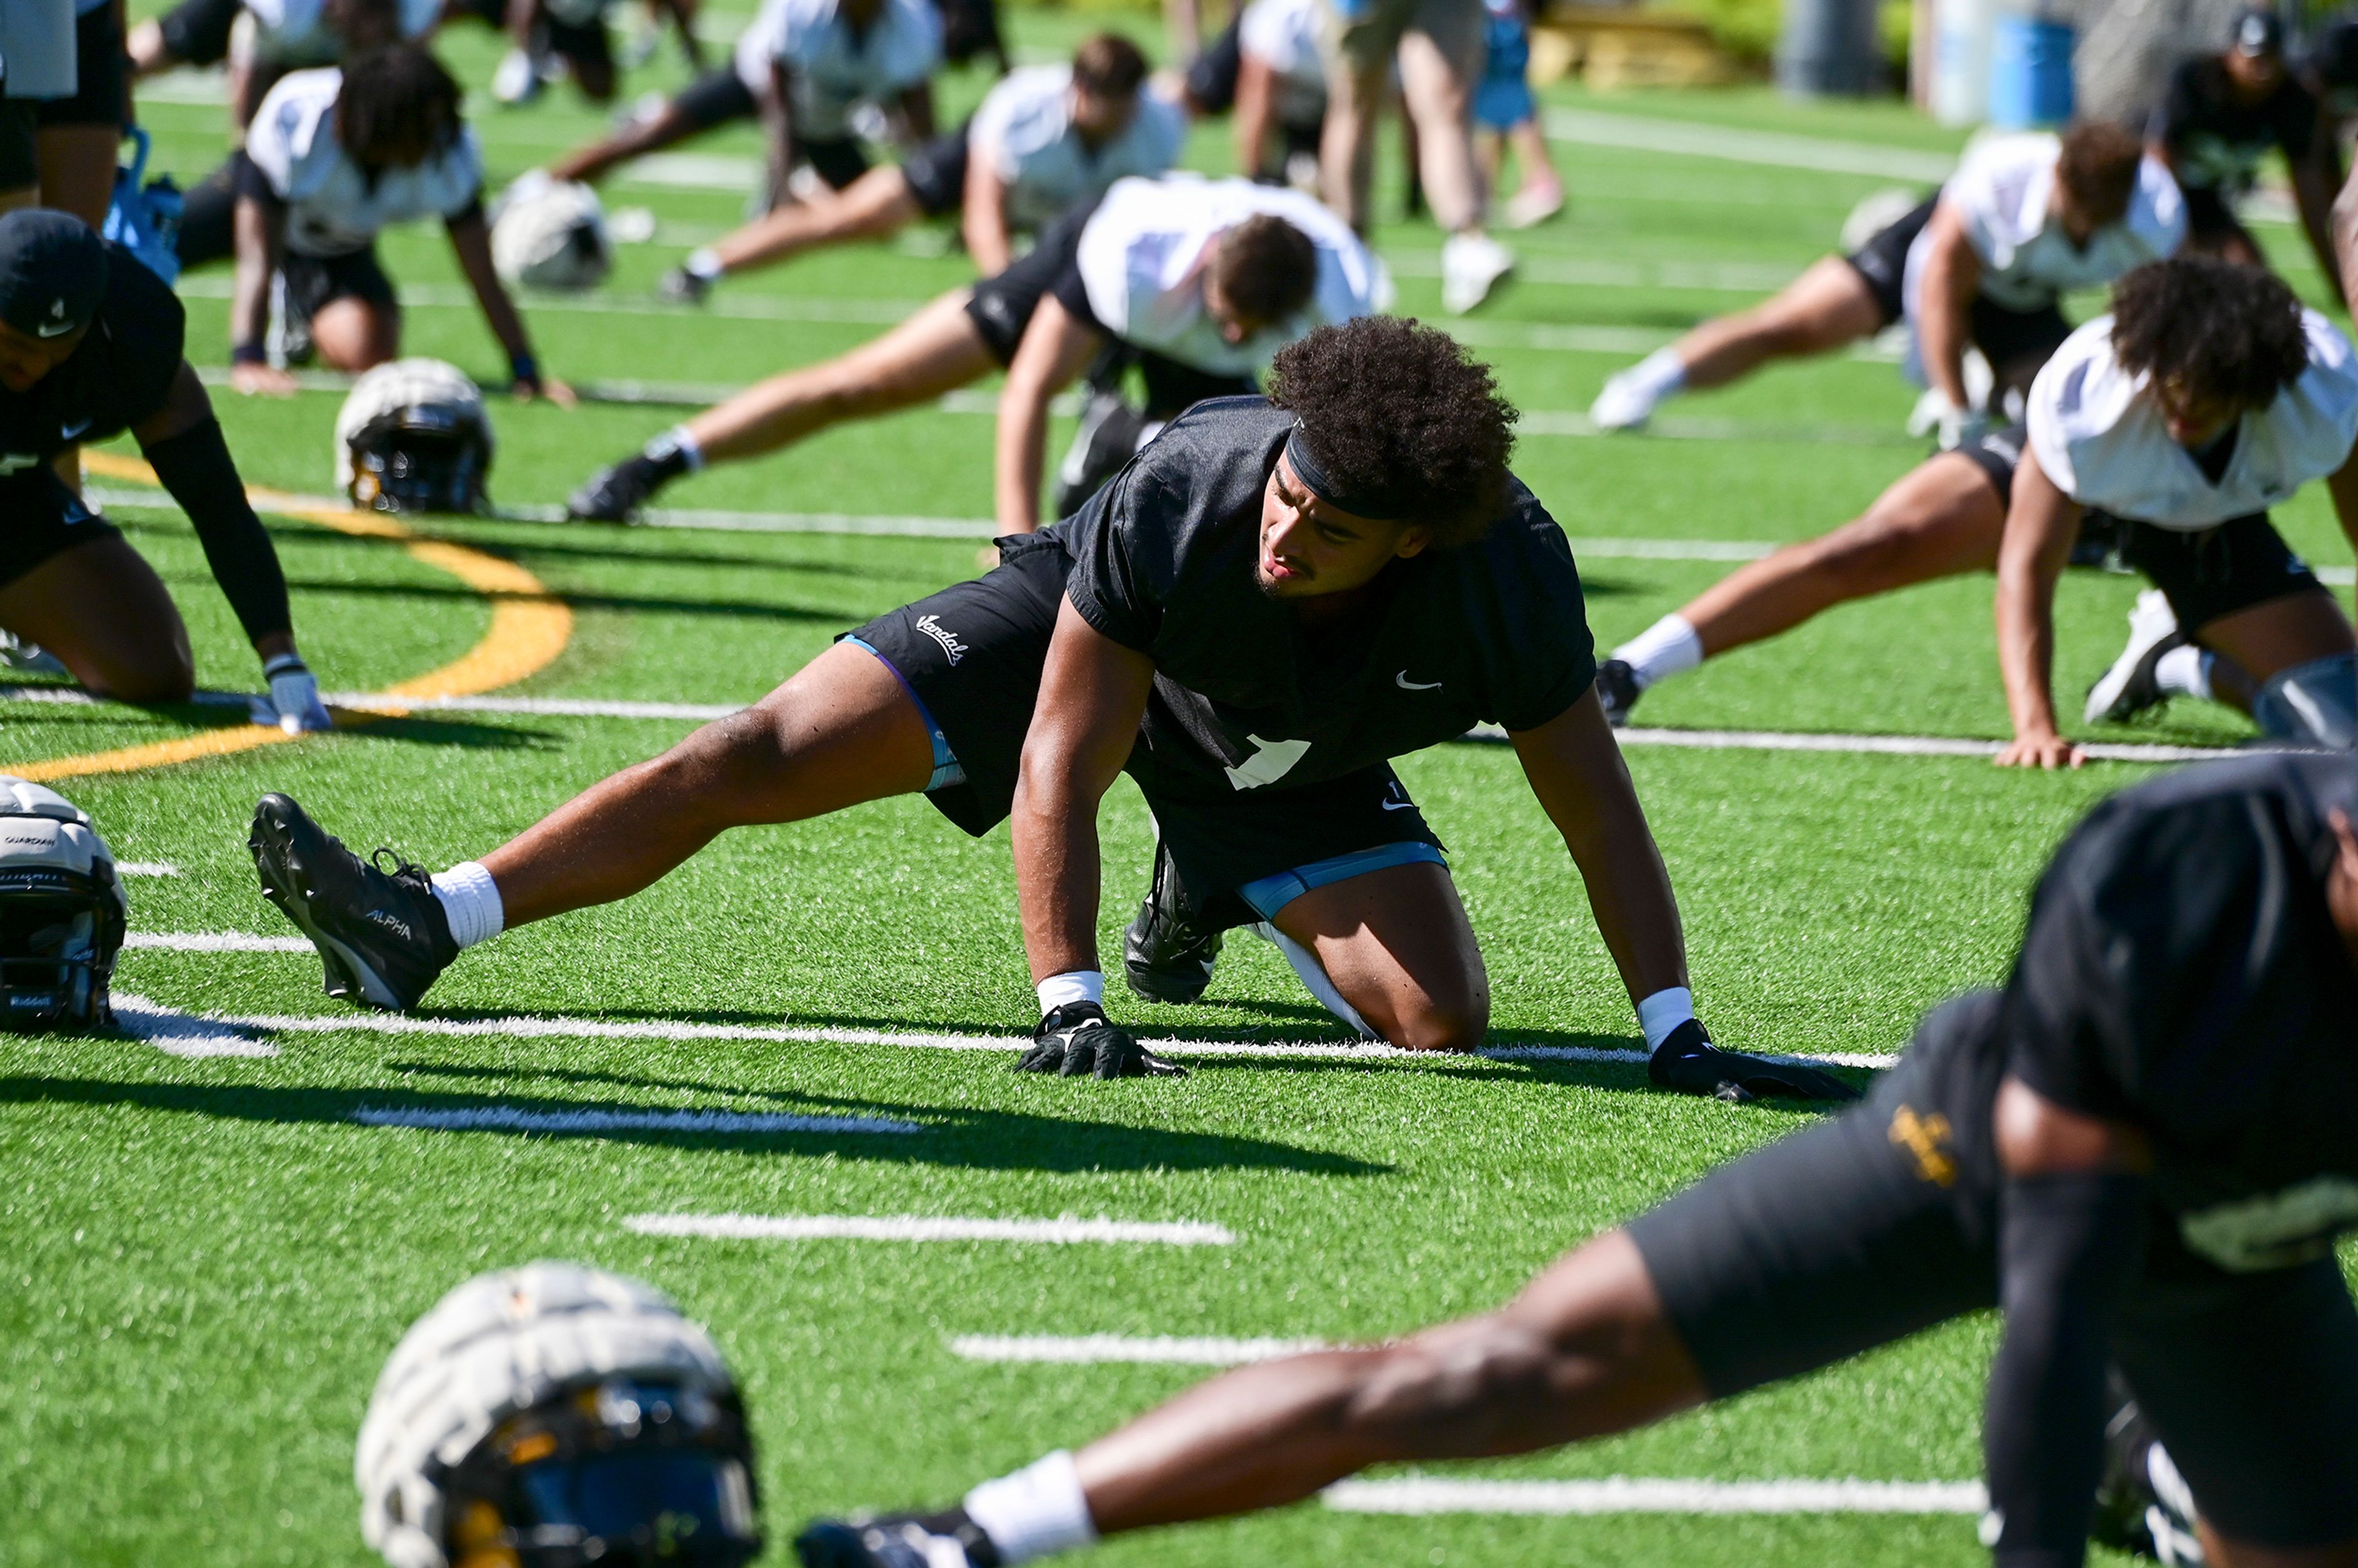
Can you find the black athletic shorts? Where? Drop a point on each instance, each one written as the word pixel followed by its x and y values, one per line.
pixel 839 160
pixel 971 656
pixel 196 32
pixel 20 161
pixel 936 172
pixel 1212 79
pixel 103 69
pixel 2006 338
pixel 313 281
pixel 716 98
pixel 39 517
pixel 1868 1228
pixel 582 43
pixel 2209 218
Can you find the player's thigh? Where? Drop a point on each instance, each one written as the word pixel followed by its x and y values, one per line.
pixel 842 730
pixel 2276 634
pixel 1943 518
pixel 103 611
pixel 1828 306
pixel 1397 944
pixel 937 349
pixel 353 333
pixel 2251 1381
pixel 78 169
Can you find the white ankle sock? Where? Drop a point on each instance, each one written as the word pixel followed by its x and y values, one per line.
pixel 1314 975
pixel 677 439
pixel 1076 985
pixel 471 901
pixel 2185 671
pixel 704 262
pixel 1668 647
pixel 1661 373
pixel 1663 1012
pixel 1035 1512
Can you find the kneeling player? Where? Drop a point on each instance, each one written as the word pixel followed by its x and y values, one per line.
pixel 2207 396
pixel 1275 599
pixel 1207 279
pixel 1981 265
pixel 90 346
pixel 2140 1150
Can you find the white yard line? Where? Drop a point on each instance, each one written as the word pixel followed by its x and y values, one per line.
pixel 145 869
pixel 1094 1349
pixel 517 1118
pixel 215 942
pixel 1061 1232
pixel 1648 1495
pixel 178 1034
pixel 1734 143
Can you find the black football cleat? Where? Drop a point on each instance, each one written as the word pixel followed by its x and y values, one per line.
pixel 681 287
pixel 1169 950
pixel 1687 1062
pixel 896 1540
pixel 2142 1506
pixel 382 934
pixel 1616 691
pixel 615 495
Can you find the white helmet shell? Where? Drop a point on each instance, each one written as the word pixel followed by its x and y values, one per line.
pixel 52 855
pixel 428 393
pixel 552 235
pixel 499 1343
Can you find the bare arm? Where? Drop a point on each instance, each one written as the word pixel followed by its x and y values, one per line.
pixel 1576 769
pixel 258 229
pixel 983 220
pixel 683 15
pixel 2313 192
pixel 470 239
pixel 917 107
pixel 1952 275
pixel 2345 220
pixel 1055 350
pixel 521 14
pixel 1092 695
pixel 2040 525
pixel 1256 108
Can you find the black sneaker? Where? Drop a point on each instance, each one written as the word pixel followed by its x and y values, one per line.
pixel 615 495
pixel 1616 691
pixel 382 934
pixel 2142 1506
pixel 681 287
pixel 1688 1063
pixel 896 1540
pixel 1169 950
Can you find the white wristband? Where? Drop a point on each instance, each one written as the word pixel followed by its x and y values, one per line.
pixel 1074 985
pixel 1663 1012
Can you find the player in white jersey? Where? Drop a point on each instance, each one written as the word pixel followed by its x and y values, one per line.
pixel 1047 136
pixel 1207 278
pixel 1267 68
pixel 2206 397
pixel 1979 265
pixel 803 68
pixel 285 35
pixel 554 39
pixel 333 157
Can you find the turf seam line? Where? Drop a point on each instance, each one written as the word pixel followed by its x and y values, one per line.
pixel 1779 149
pixel 1636 1493
pixel 1063 1231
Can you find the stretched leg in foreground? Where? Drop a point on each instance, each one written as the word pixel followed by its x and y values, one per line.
pixel 1827 307
pixel 840 732
pixel 936 350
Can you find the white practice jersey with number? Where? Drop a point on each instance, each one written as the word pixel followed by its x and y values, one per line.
pixel 333 208
pixel 829 72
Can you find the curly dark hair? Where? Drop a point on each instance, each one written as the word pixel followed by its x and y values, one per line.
pixel 1393 407
pixel 395 97
pixel 2098 164
pixel 2224 330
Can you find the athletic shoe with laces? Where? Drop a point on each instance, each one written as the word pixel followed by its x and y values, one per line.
pixel 681 287
pixel 1169 950
pixel 2130 686
pixel 1471 266
pixel 1624 405
pixel 381 933
pixel 615 495
pixel 2143 1506
pixel 896 1540
pixel 1617 690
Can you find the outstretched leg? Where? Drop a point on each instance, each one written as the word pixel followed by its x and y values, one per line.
pixel 102 610
pixel 1828 306
pixel 876 204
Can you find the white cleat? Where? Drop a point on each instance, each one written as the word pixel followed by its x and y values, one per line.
pixel 1471 265
pixel 1626 404
pixel 2128 688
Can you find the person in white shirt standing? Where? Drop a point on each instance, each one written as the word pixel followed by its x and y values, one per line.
pixel 1979 265
pixel 1045 137
pixel 2206 397
pixel 333 157
pixel 1207 278
pixel 1267 67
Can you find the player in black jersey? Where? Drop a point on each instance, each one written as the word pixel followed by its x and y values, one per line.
pixel 1275 599
pixel 2140 1149
pixel 89 347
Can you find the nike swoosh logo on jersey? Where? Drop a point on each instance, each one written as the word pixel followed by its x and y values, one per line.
pixel 59 331
pixel 67 433
pixel 1399 805
pixel 1408 684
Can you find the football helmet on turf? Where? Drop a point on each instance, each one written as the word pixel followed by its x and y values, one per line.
pixel 61 912
pixel 552 235
pixel 413 437
pixel 552 1416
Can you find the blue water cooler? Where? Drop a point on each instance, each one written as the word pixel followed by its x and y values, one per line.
pixel 2030 71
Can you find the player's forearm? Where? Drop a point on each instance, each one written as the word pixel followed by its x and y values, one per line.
pixel 983 222
pixel 1023 446
pixel 1254 102
pixel 471 240
pixel 256 240
pixel 1946 290
pixel 2026 647
pixel 2344 221
pixel 2313 194
pixel 1056 872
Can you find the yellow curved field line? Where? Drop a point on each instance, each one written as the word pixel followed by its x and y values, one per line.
pixel 529 628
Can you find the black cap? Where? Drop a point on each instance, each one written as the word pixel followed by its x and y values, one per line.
pixel 2259 34
pixel 52 272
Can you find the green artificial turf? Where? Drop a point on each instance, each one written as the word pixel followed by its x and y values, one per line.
pixel 209 1260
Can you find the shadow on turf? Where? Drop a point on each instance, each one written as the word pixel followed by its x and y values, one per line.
pixel 955 1135
pixel 750 610
pixel 227 712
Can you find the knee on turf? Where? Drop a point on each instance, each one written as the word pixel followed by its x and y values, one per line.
pixel 2315 704
pixel 1433 1024
pixel 160 673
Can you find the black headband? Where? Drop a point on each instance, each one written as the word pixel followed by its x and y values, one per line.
pixel 1374 507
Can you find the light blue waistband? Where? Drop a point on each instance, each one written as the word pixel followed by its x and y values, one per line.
pixel 947 771
pixel 1270 894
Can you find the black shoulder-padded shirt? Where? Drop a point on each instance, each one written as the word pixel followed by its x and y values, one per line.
pixel 2217 141
pixel 118 376
pixel 2181 973
pixel 1245 695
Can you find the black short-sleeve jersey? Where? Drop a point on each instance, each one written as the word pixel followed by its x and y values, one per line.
pixel 117 377
pixel 1246 696
pixel 2217 142
pixel 2182 973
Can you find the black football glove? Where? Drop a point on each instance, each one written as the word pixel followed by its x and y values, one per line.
pixel 1687 1062
pixel 1078 1040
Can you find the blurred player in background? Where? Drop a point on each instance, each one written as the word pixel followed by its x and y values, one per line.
pixel 334 156
pixel 78 136
pixel 1980 264
pixel 283 35
pixel 1209 278
pixel 37 45
pixel 1506 117
pixel 1045 138
pixel 1266 67
pixel 553 39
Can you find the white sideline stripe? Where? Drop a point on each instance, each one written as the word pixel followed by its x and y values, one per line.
pixel 178 1034
pixel 528 1027
pixel 515 1118
pixel 692 171
pixel 145 869
pixel 1064 1232
pixel 1649 1495
pixel 1726 277
pixel 215 942
pixel 1091 1349
pixel 1739 145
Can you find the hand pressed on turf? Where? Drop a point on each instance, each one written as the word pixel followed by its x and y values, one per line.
pixel 1687 1062
pixel 1078 1040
